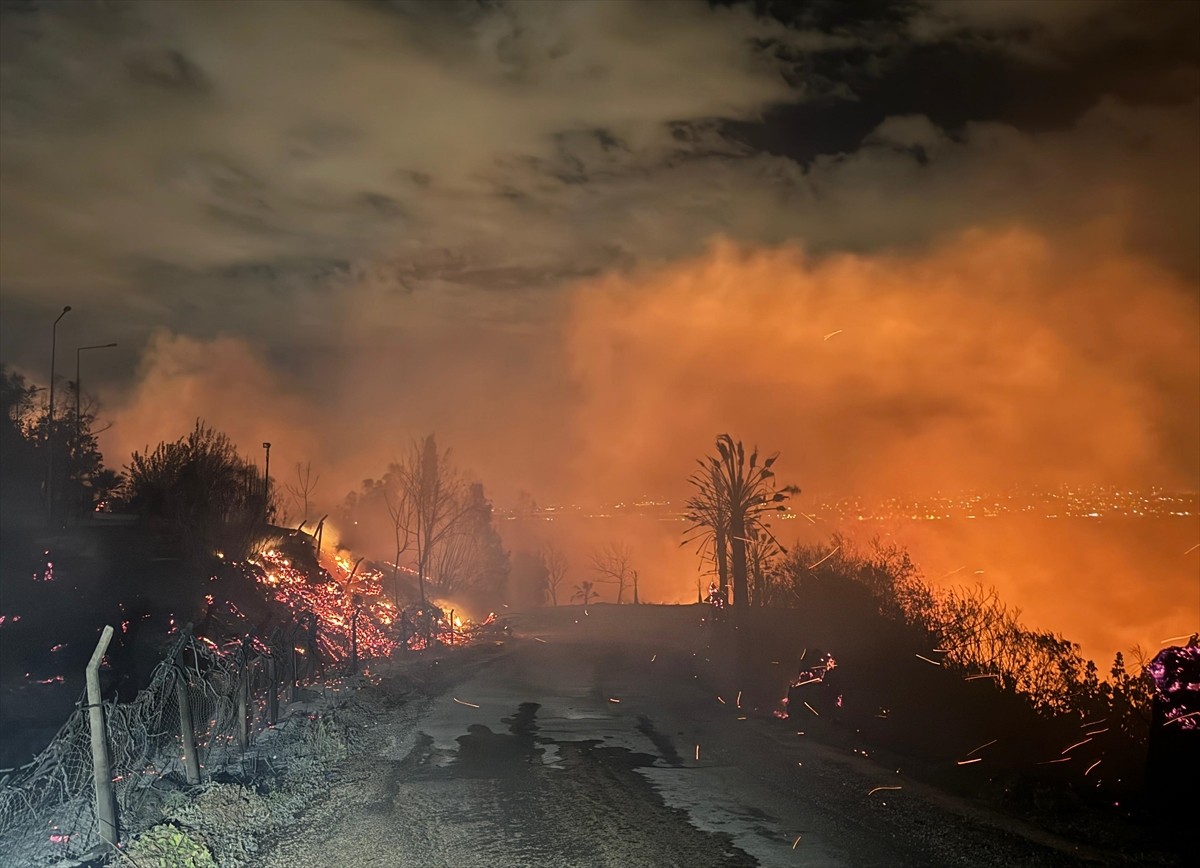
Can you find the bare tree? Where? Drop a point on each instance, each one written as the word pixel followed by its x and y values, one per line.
pixel 613 563
pixel 399 508
pixel 470 557
pixel 732 498
pixel 437 500
pixel 556 566
pixel 301 492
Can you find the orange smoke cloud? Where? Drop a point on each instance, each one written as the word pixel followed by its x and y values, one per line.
pixel 997 358
pixel 222 381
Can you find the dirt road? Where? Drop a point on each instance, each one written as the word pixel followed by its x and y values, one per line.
pixel 598 740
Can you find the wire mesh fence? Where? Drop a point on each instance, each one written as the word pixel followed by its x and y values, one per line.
pixel 229 693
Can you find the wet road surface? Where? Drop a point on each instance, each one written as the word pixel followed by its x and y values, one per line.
pixel 584 740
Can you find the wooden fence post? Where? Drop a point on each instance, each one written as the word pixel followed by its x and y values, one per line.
pixel 106 806
pixel 186 731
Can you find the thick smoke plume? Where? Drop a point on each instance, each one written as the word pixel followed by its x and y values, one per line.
pixel 995 359
pixel 998 358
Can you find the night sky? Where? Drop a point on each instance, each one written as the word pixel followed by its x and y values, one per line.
pixel 912 245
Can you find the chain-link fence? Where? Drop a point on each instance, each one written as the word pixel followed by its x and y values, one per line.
pixel 48 807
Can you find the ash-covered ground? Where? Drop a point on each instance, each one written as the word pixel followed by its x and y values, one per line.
pixel 605 738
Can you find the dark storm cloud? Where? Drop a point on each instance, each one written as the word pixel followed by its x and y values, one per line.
pixel 1032 65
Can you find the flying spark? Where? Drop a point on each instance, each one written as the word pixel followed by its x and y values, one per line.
pixel 823 560
pixel 1182 717
pixel 877 789
pixel 927 660
pixel 461 702
pixel 831 334
pixel 981 747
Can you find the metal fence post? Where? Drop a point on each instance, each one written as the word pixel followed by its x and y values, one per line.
pixel 106 806
pixel 243 719
pixel 186 731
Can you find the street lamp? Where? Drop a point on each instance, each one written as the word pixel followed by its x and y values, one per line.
pixel 79 387
pixel 267 484
pixel 50 420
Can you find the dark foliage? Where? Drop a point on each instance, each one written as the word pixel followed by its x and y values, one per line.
pixel 209 500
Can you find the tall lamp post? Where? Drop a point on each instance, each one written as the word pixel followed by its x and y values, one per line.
pixel 267 484
pixel 79 387
pixel 50 419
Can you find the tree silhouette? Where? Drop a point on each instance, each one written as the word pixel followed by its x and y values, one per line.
pixel 556 565
pixel 470 558
pixel 584 591
pixel 613 563
pixel 434 491
pixel 301 492
pixel 733 496
pixel 201 490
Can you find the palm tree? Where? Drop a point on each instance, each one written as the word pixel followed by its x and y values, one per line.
pixel 732 498
pixel 584 591
pixel 709 513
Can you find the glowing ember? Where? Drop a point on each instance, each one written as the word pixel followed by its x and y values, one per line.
pixel 342 608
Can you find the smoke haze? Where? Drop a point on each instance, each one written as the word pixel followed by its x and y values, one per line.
pixel 911 246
